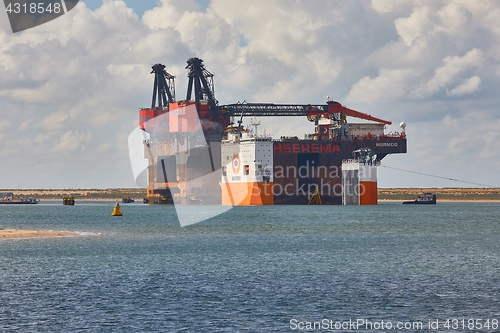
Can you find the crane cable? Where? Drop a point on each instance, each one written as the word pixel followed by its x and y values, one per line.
pixel 441 177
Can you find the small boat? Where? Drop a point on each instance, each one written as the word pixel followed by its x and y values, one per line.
pixel 424 199
pixel 194 201
pixel 9 199
pixel 68 201
pixel 165 201
pixel 127 200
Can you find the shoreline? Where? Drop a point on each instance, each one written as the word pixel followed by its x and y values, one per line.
pixel 139 201
pixel 138 194
pixel 111 194
pixel 23 234
pixel 441 200
pixel 379 200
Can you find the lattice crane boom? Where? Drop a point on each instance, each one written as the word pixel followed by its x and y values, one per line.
pixel 163 88
pixel 202 81
pixel 329 110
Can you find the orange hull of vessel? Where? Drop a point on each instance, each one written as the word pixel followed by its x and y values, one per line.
pixel 368 193
pixel 247 194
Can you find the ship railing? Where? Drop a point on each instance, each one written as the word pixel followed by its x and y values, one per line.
pixel 363 161
pixel 288 138
pixel 396 135
pixel 385 137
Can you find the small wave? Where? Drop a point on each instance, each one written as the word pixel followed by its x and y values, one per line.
pixel 86 233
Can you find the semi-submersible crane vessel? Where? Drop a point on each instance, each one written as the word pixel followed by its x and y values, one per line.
pixel 197 153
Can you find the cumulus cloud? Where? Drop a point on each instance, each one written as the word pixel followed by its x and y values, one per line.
pixel 428 20
pixel 418 24
pixel 444 48
pixel 70 89
pixel 389 6
pixel 390 84
pixel 4 124
pixel 467 87
pixel 71 141
pixel 445 74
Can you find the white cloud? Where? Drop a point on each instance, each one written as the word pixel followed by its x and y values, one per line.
pixel 467 87
pixel 388 6
pixel 71 141
pixel 389 85
pixel 103 148
pixel 4 124
pixel 420 23
pixel 70 89
pixel 54 121
pixel 168 14
pixel 452 19
pixel 445 74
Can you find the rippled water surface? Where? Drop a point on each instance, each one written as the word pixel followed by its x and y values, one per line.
pixel 253 269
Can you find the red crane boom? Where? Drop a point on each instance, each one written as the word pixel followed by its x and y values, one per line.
pixel 335 107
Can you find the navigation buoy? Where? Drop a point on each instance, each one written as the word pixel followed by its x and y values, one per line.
pixel 116 210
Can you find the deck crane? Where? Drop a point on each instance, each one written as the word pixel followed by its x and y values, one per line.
pixel 212 120
pixel 215 118
pixel 163 88
pixel 163 94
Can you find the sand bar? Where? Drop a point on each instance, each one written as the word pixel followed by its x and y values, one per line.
pixel 16 233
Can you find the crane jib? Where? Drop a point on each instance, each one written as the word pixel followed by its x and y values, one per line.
pixel 306 110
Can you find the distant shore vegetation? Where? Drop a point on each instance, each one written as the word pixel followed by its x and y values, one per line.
pixel 390 194
pixel 451 193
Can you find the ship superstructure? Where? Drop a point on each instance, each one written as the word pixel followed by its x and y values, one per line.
pixel 359 178
pixel 247 168
pixel 195 149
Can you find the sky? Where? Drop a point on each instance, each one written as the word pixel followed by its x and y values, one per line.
pixel 71 89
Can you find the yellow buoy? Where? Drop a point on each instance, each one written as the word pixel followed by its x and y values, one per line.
pixel 117 211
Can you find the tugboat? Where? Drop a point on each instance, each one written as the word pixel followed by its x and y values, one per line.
pixel 194 201
pixel 8 198
pixel 127 200
pixel 424 199
pixel 68 201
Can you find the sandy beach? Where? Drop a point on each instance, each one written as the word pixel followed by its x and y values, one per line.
pixel 16 233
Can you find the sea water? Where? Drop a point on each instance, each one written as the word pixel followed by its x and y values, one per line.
pixel 253 269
